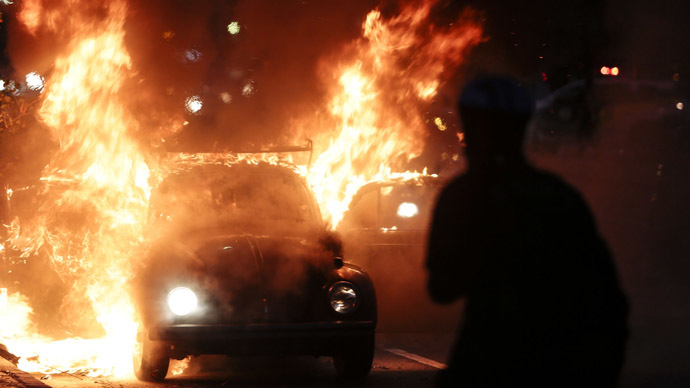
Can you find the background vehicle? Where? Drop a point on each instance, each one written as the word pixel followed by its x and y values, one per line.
pixel 571 113
pixel 385 230
pixel 243 265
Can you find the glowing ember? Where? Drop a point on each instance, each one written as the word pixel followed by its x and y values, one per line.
pixel 93 201
pixel 439 124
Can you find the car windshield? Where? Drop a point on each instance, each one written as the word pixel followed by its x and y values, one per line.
pixel 237 195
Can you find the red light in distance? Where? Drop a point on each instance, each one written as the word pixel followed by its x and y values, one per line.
pixel 614 71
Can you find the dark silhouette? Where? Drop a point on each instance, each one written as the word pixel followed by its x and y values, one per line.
pixel 543 306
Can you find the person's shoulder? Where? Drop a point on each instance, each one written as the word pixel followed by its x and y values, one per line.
pixel 554 186
pixel 460 185
pixel 457 190
pixel 457 182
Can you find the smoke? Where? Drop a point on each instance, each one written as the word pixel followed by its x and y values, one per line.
pixel 200 216
pixel 392 249
pixel 263 199
pixel 250 83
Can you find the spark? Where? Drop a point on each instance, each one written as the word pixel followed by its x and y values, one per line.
pixel 439 124
pixel 679 105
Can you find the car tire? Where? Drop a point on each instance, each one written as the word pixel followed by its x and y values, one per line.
pixel 354 362
pixel 150 359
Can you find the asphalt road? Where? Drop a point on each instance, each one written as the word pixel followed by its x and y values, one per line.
pixel 401 360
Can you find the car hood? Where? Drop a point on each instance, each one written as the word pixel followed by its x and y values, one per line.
pixel 245 278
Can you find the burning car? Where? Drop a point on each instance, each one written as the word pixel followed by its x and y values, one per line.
pixel 243 265
pixel 385 230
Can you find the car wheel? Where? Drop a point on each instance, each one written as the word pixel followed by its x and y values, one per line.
pixel 150 359
pixel 354 362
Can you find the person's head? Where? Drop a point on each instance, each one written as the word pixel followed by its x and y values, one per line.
pixel 494 112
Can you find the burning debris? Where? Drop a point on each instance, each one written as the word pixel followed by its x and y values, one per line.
pixel 81 225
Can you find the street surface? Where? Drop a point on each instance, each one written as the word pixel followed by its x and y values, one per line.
pixel 401 360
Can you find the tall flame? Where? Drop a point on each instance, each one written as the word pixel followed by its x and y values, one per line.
pixel 94 197
pixel 393 71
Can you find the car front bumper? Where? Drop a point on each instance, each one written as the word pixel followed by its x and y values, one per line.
pixel 314 338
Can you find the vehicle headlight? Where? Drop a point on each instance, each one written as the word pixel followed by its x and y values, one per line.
pixel 182 301
pixel 408 210
pixel 343 297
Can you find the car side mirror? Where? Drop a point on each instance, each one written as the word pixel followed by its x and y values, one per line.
pixel 338 262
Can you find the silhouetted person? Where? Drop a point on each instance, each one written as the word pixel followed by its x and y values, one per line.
pixel 543 306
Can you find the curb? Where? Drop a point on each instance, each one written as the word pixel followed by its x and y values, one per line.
pixel 22 379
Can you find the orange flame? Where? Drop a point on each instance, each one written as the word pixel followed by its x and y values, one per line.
pixel 96 187
pixel 95 196
pixel 375 101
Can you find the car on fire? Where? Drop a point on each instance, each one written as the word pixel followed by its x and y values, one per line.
pixel 243 264
pixel 385 230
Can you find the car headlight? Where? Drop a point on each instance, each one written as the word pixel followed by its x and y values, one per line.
pixel 343 297
pixel 408 210
pixel 182 301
